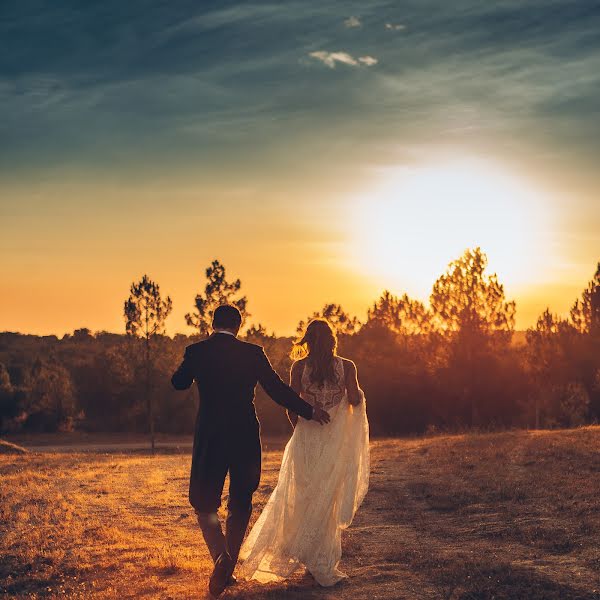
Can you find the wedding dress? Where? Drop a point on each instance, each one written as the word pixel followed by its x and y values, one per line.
pixel 323 479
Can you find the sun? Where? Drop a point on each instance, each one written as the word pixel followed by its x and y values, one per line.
pixel 405 230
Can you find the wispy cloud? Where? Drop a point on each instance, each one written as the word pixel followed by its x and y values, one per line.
pixel 74 99
pixel 395 26
pixel 368 60
pixel 351 22
pixel 331 58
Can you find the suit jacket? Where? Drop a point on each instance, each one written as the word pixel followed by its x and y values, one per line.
pixel 226 371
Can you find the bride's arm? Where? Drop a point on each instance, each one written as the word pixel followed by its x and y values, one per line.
pixel 296 385
pixel 355 394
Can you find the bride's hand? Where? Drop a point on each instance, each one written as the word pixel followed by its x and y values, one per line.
pixel 356 398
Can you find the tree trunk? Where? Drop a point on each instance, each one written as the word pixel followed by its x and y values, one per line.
pixel 149 396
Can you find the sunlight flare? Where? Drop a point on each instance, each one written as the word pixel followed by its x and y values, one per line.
pixel 417 219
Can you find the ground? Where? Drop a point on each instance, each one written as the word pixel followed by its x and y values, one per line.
pixel 476 517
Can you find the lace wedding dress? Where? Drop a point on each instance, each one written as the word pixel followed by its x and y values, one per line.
pixel 323 479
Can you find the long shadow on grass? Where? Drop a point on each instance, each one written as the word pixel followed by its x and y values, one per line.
pixel 467 579
pixel 446 580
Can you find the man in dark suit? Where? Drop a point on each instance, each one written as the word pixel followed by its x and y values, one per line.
pixel 227 434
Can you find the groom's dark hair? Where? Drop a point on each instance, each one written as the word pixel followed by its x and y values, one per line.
pixel 227 316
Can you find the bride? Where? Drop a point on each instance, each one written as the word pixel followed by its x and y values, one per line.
pixel 324 473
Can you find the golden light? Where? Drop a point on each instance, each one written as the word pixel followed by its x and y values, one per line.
pixel 404 232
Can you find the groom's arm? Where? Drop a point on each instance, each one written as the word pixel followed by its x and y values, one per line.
pixel 183 378
pixel 279 391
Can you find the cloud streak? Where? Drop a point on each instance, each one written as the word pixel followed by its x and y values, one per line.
pixel 352 22
pixel 368 60
pixel 331 58
pixel 395 26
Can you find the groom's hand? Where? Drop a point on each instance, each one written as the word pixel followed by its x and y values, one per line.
pixel 320 416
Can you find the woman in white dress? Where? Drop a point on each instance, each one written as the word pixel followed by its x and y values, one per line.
pixel 324 473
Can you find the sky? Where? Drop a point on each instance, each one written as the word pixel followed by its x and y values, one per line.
pixel 323 151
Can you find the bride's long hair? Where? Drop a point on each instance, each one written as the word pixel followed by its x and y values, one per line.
pixel 318 345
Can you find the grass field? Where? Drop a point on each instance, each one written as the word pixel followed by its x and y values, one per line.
pixel 476 517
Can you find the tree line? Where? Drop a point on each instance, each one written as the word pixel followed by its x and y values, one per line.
pixel 453 364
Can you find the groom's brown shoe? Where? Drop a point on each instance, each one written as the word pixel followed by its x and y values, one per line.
pixel 221 574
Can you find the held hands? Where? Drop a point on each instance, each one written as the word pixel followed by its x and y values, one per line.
pixel 320 416
pixel 356 399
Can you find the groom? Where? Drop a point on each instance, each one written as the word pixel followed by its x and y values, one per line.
pixel 227 434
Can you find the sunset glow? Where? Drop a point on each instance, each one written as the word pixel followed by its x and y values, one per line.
pixel 405 229
pixel 323 158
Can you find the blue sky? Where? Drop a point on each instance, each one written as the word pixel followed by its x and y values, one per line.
pixel 113 84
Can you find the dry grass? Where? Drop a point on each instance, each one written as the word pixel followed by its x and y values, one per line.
pixel 475 517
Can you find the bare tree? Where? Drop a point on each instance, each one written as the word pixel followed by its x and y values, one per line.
pixel 145 313
pixel 216 292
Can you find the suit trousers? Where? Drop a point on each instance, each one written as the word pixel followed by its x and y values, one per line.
pixel 215 455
